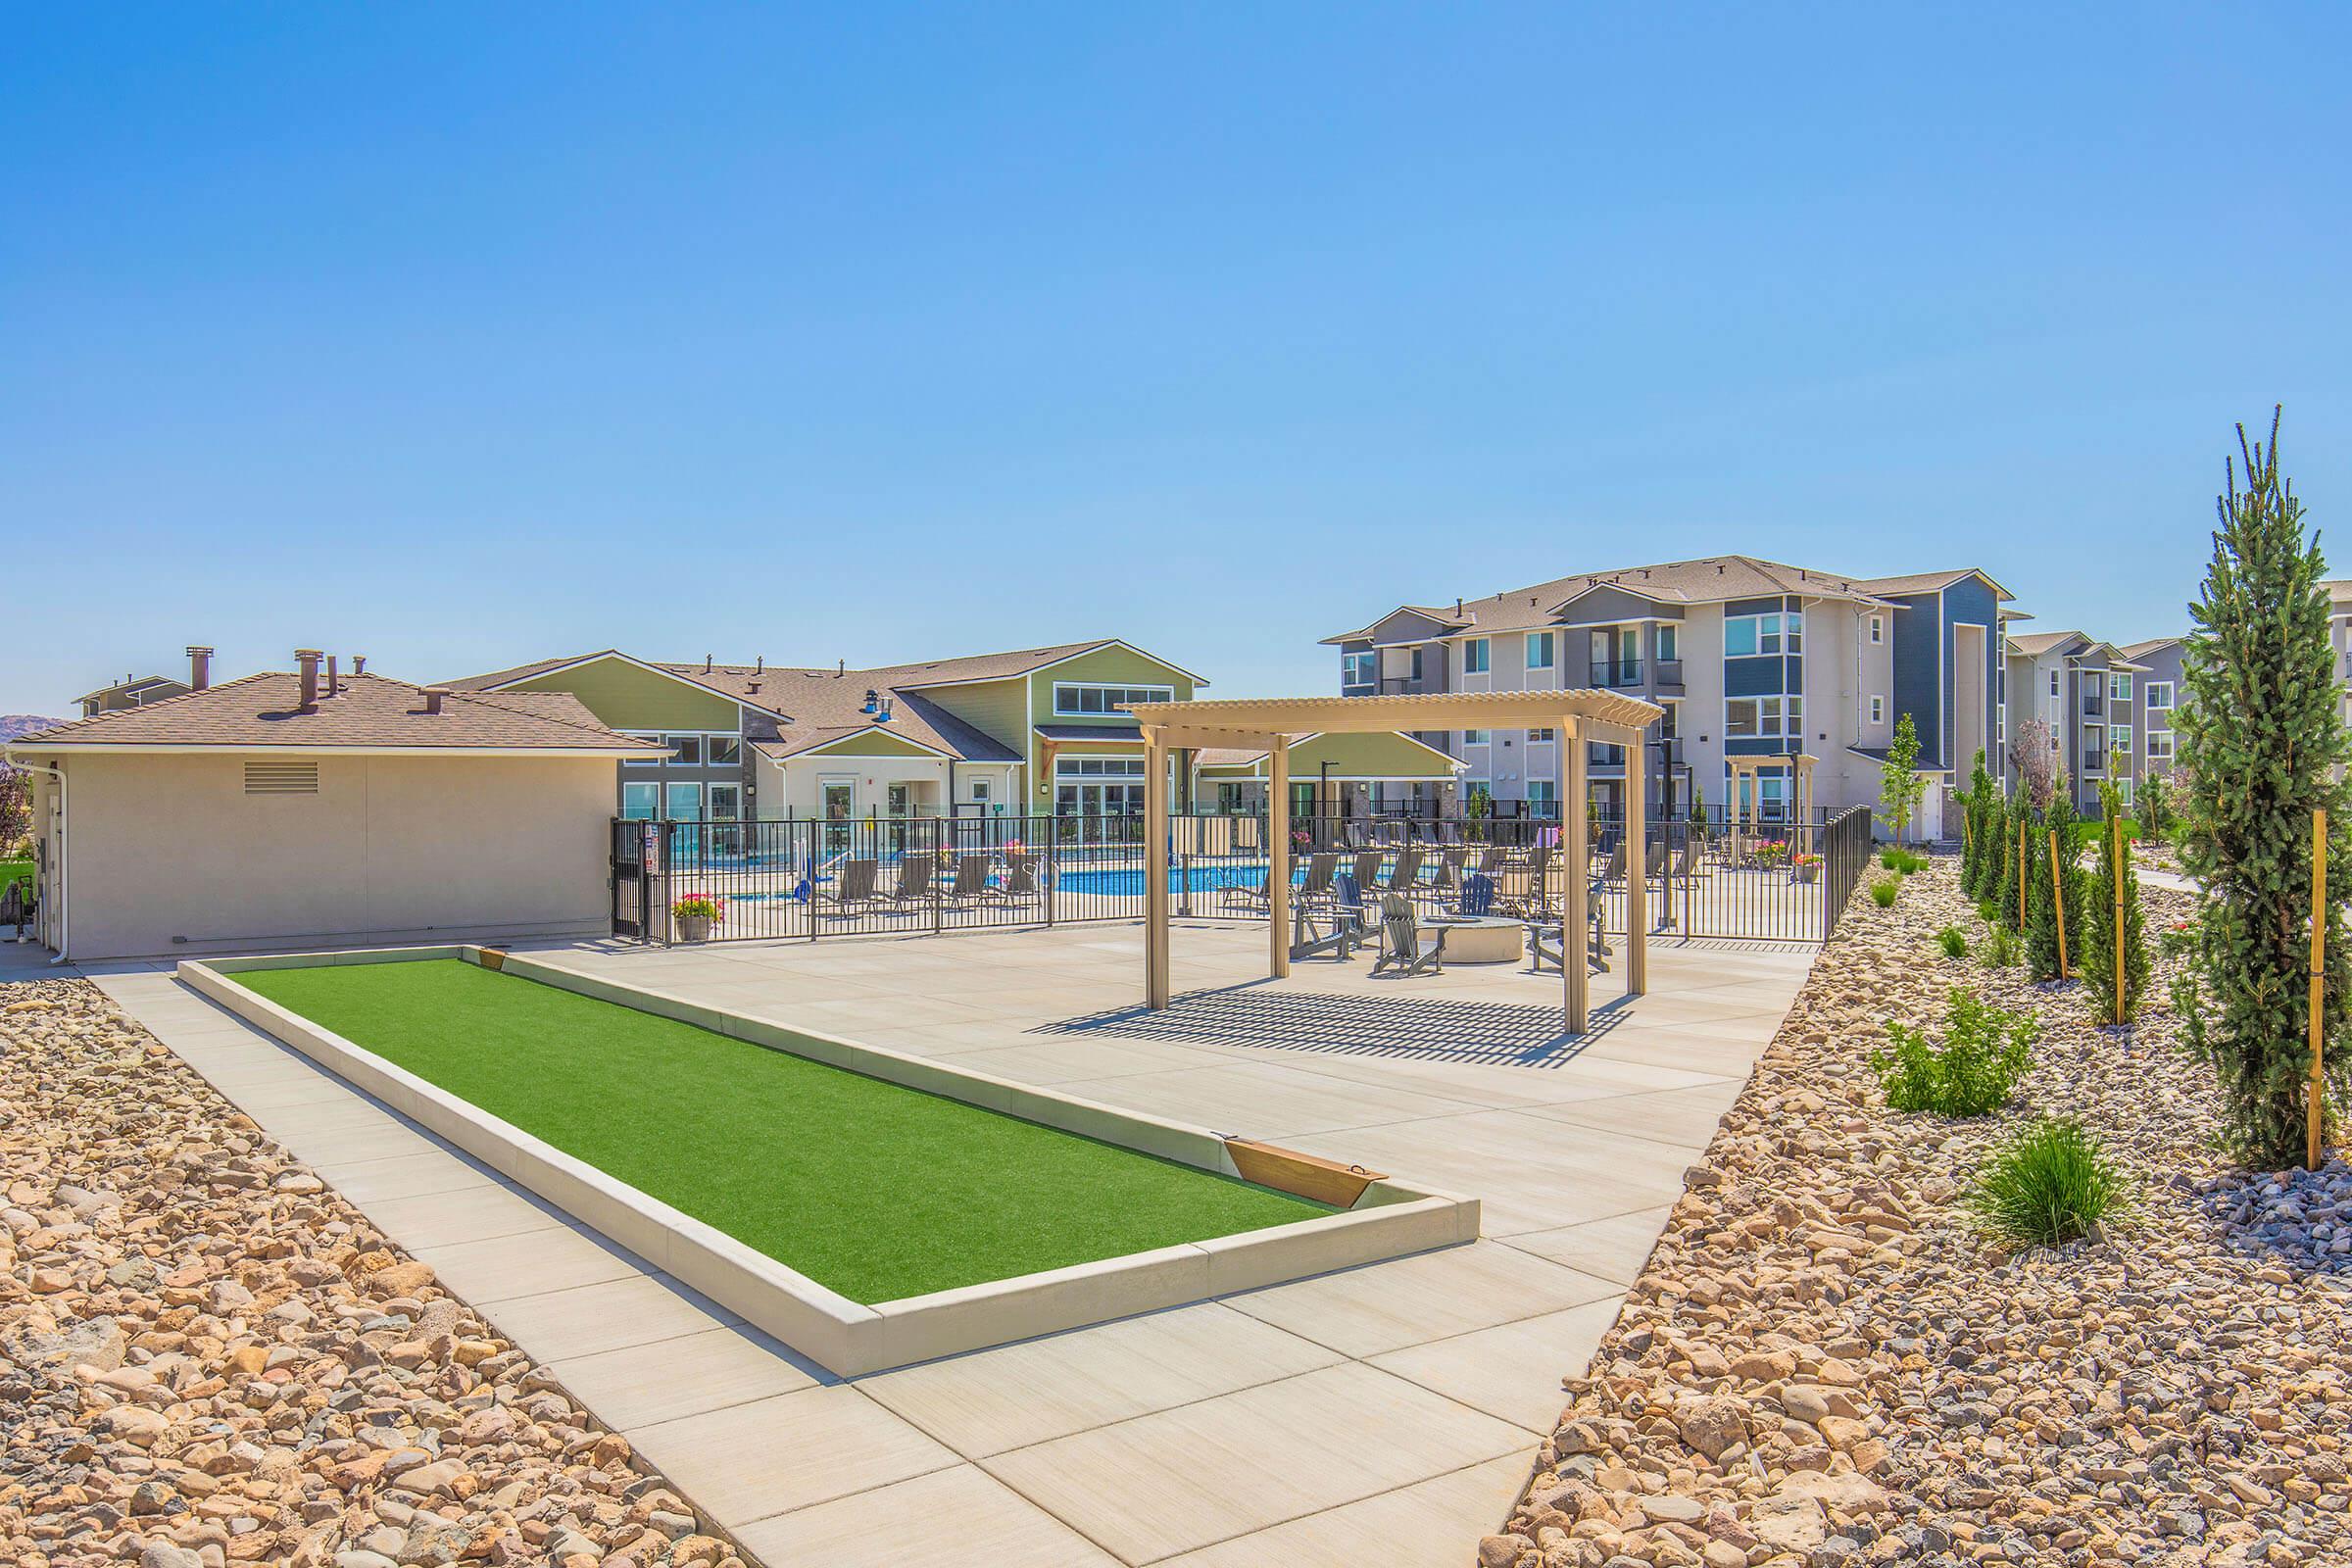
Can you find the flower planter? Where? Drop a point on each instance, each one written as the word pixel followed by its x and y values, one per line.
pixel 694 928
pixel 1805 873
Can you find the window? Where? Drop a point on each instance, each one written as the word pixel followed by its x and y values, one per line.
pixel 682 803
pixel 639 803
pixel 1763 718
pixel 1542 737
pixel 726 801
pixel 642 762
pixel 1091 702
pixel 980 792
pixel 1542 798
pixel 1359 670
pixel 1541 646
pixel 2160 695
pixel 2160 746
pixel 689 748
pixel 725 751
pixel 1670 723
pixel 1474 657
pixel 1098 766
pixel 2122 788
pixel 1476 737
pixel 1747 635
pixel 1670 642
pixel 1878 628
pixel 2119 686
pixel 2053 683
pixel 2119 739
pixel 1878 709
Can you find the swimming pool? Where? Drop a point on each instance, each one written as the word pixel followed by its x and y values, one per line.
pixel 1129 884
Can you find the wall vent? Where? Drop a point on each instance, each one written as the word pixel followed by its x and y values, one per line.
pixel 281 779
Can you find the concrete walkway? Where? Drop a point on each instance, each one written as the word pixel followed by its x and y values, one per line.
pixel 1385 1414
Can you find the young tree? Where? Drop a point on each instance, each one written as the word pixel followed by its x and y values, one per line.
pixel 2102 934
pixel 2264 744
pixel 2156 808
pixel 1974 857
pixel 16 807
pixel 2043 896
pixel 1901 786
pixel 2074 887
pixel 2008 886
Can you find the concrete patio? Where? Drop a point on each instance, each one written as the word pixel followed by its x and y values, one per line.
pixel 1384 1414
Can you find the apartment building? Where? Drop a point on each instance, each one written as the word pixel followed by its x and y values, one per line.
pixel 1748 657
pixel 2089 694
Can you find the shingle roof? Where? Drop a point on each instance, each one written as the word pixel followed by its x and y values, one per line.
pixel 828 706
pixel 369 711
pixel 1923 582
pixel 1706 580
pixel 2034 644
pixel 2140 650
pixel 124 688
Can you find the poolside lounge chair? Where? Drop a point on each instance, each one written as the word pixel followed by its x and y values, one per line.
pixel 1529 898
pixel 918 879
pixel 1401 951
pixel 971 879
pixel 1352 834
pixel 1614 869
pixel 1405 876
pixel 1452 865
pixel 853 887
pixel 1021 878
pixel 1321 870
pixel 1489 862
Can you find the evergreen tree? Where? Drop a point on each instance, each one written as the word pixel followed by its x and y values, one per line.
pixel 1974 856
pixel 2156 808
pixel 2263 744
pixel 2100 935
pixel 2007 887
pixel 2073 885
pixel 2041 896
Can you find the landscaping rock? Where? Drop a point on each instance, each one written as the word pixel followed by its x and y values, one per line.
pixel 1824 1361
pixel 207 1358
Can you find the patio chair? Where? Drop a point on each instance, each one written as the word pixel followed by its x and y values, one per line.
pixel 1596 941
pixel 1529 898
pixel 1020 879
pixel 1453 865
pixel 1405 876
pixel 1449 833
pixel 918 879
pixel 1259 898
pixel 1402 952
pixel 1352 834
pixel 1366 869
pixel 1614 869
pixel 971 880
pixel 1489 862
pixel 1478 895
pixel 1348 928
pixel 853 887
pixel 1321 870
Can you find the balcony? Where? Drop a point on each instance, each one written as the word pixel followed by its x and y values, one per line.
pixel 1616 673
pixel 2094 704
pixel 2096 762
pixel 1668 674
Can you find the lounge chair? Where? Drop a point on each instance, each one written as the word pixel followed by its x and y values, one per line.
pixel 853 887
pixel 1259 898
pixel 1452 865
pixel 1321 870
pixel 1401 951
pixel 1489 862
pixel 1405 876
pixel 918 879
pixel 971 879
pixel 1530 899
pixel 1352 834
pixel 1021 878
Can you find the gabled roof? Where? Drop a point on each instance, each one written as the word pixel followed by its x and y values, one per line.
pixel 2034 644
pixel 369 712
pixel 689 674
pixel 1928 582
pixel 1245 755
pixel 1443 616
pixel 828 709
pixel 125 688
pixel 2142 650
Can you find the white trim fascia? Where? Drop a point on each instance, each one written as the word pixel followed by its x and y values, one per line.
pixel 822 748
pixel 1050 664
pixel 631 658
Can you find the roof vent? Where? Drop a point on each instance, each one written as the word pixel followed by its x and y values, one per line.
pixel 706 664
pixel 306 660
pixel 751 688
pixel 334 681
pixel 200 668
pixel 1457 604
pixel 359 664
pixel 434 696
pixel 760 666
pixel 882 716
pixel 841 666
pixel 869 700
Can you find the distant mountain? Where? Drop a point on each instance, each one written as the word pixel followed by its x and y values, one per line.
pixel 12 725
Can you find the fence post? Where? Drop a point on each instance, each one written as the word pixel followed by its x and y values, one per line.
pixel 2058 901
pixel 815 856
pixel 1050 862
pixel 939 840
pixel 2314 1098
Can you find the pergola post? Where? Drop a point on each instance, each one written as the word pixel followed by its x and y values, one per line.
pixel 1155 871
pixel 1575 932
pixel 1636 865
pixel 1277 858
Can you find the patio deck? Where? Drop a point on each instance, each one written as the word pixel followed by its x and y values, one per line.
pixel 1385 1413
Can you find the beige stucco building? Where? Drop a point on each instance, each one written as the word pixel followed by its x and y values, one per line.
pixel 281 810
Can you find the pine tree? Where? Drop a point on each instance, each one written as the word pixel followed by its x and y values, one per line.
pixel 2007 887
pixel 2100 935
pixel 2041 896
pixel 1974 856
pixel 2074 884
pixel 2156 809
pixel 2262 745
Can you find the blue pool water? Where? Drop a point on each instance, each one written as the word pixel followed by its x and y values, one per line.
pixel 1129 884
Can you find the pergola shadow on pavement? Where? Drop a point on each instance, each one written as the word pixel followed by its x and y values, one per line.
pixel 1274 724
pixel 1493 1034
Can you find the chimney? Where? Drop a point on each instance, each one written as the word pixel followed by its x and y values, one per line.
pixel 432 698
pixel 306 660
pixel 359 664
pixel 334 681
pixel 200 668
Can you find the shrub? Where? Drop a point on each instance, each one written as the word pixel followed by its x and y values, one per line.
pixel 2156 808
pixel 2049 1184
pixel 1999 951
pixel 1881 893
pixel 1989 910
pixel 1902 862
pixel 1985 1051
pixel 2262 745
pixel 1954 941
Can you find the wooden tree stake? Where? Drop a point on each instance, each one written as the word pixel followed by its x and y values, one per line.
pixel 2058 902
pixel 2318 982
pixel 2115 831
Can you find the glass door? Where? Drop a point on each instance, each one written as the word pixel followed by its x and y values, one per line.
pixel 836 802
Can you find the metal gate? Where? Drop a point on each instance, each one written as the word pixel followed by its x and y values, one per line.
pixel 632 884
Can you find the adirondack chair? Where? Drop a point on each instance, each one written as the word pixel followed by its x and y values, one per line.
pixel 1401 951
pixel 1342 914
pixel 1597 942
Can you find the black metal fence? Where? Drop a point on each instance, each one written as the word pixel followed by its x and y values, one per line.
pixel 805 879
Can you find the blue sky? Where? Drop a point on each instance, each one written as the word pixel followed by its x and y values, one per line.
pixel 462 335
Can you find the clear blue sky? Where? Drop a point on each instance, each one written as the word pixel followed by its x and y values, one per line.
pixel 462 335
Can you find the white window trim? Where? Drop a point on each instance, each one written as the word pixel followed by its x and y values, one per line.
pixel 2149 692
pixel 1486 654
pixel 1878 708
pixel 1552 642
pixel 1782 732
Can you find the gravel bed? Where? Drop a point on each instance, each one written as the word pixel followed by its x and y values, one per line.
pixel 1824 1362
pixel 208 1357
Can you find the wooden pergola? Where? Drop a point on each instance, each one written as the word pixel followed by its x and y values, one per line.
pixel 1580 718
pixel 1746 807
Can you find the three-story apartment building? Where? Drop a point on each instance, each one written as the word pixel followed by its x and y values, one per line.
pixel 1748 657
pixel 2091 697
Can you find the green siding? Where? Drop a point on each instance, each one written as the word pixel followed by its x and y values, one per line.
pixel 992 707
pixel 1109 666
pixel 1386 756
pixel 870 745
pixel 626 697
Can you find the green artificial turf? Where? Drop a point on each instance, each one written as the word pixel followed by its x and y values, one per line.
pixel 14 872
pixel 872 1189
